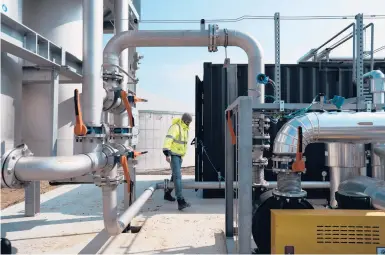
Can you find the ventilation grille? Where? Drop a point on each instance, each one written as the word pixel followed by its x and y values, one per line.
pixel 348 234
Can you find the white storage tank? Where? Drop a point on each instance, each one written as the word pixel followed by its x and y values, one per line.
pixel 153 129
pixel 60 21
pixel 11 86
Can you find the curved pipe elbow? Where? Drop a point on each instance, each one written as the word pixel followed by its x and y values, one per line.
pixel 345 127
pixel 178 38
pixel 244 41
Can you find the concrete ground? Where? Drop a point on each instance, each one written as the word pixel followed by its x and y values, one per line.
pixel 71 221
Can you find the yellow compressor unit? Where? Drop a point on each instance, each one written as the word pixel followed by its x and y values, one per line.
pixel 327 232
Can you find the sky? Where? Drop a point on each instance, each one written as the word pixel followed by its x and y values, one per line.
pixel 167 75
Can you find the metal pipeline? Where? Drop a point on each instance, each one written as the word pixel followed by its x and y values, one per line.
pixel 372 187
pixel 222 185
pixel 121 25
pixel 92 91
pixel 56 168
pixel 191 38
pixel 345 127
pixel 115 224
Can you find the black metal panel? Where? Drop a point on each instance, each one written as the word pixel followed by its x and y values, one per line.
pixel 198 128
pixel 300 83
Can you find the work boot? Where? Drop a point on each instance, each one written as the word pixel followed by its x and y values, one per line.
pixel 182 204
pixel 168 197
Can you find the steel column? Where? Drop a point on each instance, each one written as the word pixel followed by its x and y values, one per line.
pixel 32 191
pixel 229 155
pixel 277 70
pixel 245 174
pixel 360 56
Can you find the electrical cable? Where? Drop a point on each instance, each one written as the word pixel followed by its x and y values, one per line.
pixel 252 17
pixel 247 17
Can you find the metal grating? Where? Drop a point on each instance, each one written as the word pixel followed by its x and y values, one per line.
pixel 348 234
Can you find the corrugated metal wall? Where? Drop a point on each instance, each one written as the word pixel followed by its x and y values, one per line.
pixel 153 129
pixel 299 84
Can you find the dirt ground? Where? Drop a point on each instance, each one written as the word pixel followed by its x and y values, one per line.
pixel 13 196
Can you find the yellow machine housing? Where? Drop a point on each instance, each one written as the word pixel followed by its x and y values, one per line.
pixel 327 232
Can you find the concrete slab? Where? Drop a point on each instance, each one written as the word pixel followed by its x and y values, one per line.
pixel 71 221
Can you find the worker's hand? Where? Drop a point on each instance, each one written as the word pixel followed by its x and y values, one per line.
pixel 168 159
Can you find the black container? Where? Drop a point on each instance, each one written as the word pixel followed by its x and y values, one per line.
pixel 300 83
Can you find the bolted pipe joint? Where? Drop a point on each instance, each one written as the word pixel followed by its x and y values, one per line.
pixel 8 166
pixel 289 185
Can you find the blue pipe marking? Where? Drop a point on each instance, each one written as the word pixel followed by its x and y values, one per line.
pixel 121 130
pixel 94 130
pixel 4 7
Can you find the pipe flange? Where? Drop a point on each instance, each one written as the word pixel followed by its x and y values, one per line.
pixel 288 195
pixel 8 162
pixel 110 153
pixel 262 162
pixel 121 132
pixel 115 76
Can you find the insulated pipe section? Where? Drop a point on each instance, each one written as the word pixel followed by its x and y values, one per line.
pixel 57 168
pixel 93 92
pixel 191 38
pixel 345 127
pixel 372 187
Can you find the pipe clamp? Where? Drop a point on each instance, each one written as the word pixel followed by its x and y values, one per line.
pixel 110 153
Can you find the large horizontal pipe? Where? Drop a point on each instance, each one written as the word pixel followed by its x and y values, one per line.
pixel 191 38
pixel 222 185
pixel 346 127
pixel 56 168
pixel 372 187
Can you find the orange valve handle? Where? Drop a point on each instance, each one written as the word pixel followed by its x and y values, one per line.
pixel 123 95
pixel 299 164
pixel 231 129
pixel 137 99
pixel 126 172
pixel 138 153
pixel 80 129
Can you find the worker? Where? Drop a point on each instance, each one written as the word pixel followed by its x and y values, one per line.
pixel 175 148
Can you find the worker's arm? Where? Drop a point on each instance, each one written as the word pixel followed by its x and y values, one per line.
pixel 171 135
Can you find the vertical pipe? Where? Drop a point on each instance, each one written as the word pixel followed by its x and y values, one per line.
pixel 245 175
pixel 92 61
pixel 121 120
